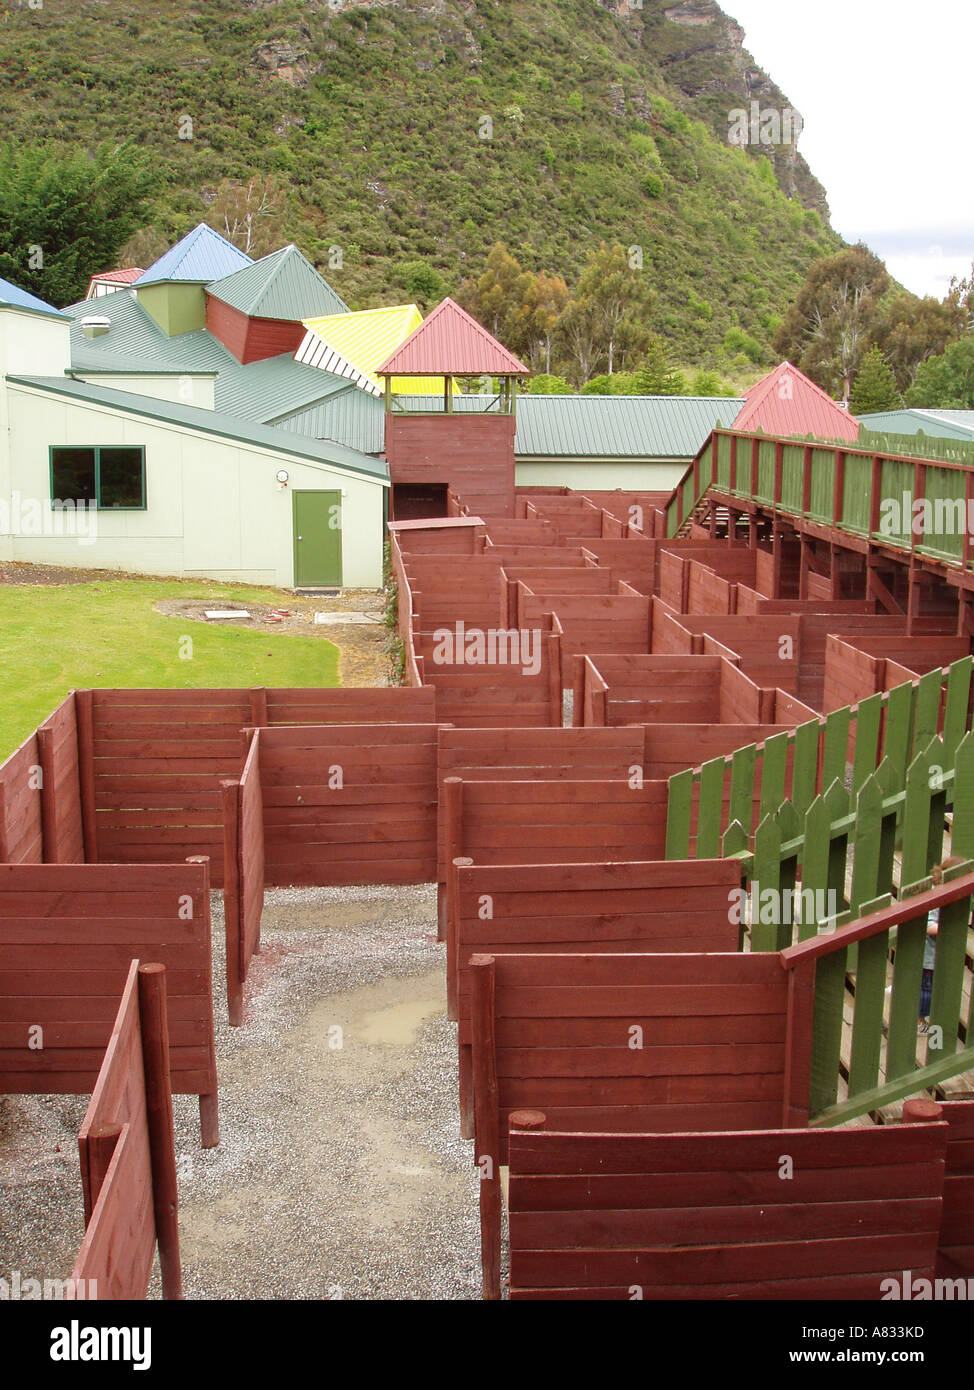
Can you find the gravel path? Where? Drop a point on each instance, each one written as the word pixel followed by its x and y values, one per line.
pixel 340 1172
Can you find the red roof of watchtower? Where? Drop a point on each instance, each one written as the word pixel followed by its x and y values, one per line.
pixel 786 402
pixel 451 343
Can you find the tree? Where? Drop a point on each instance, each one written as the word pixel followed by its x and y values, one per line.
pixel 828 329
pixel 708 383
pixel 621 300
pixel 946 382
pixel 536 319
pixel 656 374
pixel 249 214
pixel 580 327
pixel 546 385
pixel 65 213
pixel 423 284
pixel 497 297
pixel 875 387
pixel 912 330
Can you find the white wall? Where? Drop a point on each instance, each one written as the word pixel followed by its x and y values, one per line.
pixel 634 477
pixel 184 389
pixel 33 344
pixel 214 508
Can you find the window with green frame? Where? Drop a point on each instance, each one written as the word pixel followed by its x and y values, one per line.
pixel 111 476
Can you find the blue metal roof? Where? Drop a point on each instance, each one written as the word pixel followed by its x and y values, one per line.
pixel 202 255
pixel 13 297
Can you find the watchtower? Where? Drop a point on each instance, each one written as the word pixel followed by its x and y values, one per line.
pixel 451 439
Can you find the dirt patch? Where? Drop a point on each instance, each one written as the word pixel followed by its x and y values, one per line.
pixel 19 572
pixel 364 646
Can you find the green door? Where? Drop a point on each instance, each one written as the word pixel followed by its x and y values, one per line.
pixel 317 540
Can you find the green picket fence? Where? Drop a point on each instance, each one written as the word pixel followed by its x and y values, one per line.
pixel 808 770
pixel 871 967
pixel 823 883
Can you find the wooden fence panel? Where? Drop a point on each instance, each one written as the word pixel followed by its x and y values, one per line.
pixel 128 1162
pixel 21 827
pixel 522 689
pixel 160 755
pixel 349 804
pixel 957 1230
pixel 598 1043
pixel 524 755
pixel 57 746
pixel 708 1216
pixel 597 622
pixel 658 907
pixel 67 933
pixel 243 890
pixel 654 689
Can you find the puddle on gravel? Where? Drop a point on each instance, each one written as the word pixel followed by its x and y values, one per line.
pixel 399 1024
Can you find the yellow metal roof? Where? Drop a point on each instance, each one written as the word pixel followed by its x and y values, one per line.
pixel 363 340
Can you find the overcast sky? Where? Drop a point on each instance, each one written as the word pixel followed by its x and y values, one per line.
pixel 884 87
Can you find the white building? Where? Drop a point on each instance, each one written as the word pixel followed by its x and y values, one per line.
pixel 145 474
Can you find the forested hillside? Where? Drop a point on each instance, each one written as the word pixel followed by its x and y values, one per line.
pixel 394 139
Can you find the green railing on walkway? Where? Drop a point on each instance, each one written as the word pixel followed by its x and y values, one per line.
pixel 872 491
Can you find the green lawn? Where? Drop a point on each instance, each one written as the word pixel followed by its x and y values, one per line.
pixel 106 634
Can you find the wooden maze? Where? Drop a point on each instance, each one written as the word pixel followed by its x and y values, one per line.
pixel 613 739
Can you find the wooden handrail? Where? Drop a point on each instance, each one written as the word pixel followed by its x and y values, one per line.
pixel 882 920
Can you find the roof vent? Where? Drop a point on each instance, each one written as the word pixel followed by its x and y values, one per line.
pixel 95 325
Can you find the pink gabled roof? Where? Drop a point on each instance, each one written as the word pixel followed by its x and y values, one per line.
pixel 451 343
pixel 786 402
pixel 120 277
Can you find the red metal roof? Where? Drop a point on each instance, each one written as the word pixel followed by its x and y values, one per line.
pixel 120 277
pixel 786 402
pixel 451 343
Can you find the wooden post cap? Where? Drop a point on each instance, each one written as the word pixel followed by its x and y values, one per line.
pixel 152 968
pixel 916 1112
pixel 526 1119
pixel 462 861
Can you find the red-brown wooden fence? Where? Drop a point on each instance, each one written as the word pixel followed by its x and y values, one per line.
pixel 767 1214
pixel 243 891
pixel 352 803
pixel 128 1163
pixel 159 757
pixel 957 1231
pixel 585 908
pixel 599 1044
pixel 556 822
pixel 67 933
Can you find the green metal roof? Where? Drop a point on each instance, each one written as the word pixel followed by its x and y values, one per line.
pixel 135 343
pixel 943 424
pixel 213 422
pixel 618 427
pixel 283 285
pixel 351 417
